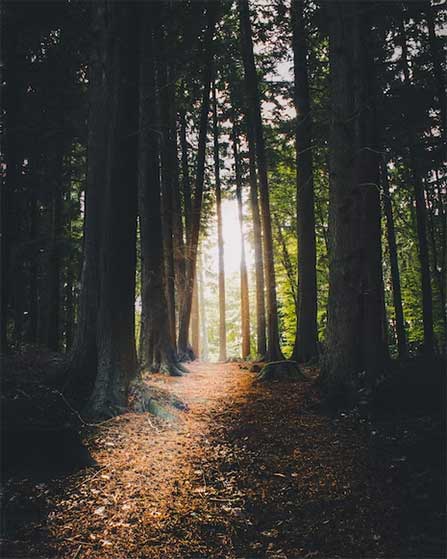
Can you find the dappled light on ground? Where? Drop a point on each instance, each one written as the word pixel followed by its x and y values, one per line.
pixel 248 469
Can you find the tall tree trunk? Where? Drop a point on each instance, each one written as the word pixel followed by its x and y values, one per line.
pixel 83 357
pixel 421 211
pixel 204 350
pixel 394 265
pixel 195 320
pixel 354 337
pixel 254 114
pixel 167 176
pixel 117 362
pixel 306 341
pixel 196 209
pixel 245 301
pixel 220 240
pixel 261 340
pixel 157 350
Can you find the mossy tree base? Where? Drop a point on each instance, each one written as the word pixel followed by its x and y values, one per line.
pixel 281 370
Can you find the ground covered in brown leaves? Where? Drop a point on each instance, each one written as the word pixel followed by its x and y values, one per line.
pixel 248 470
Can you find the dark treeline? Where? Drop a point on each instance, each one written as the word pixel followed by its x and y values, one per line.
pixel 125 125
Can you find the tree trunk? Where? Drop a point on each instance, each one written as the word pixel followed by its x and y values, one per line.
pixel 261 340
pixel 117 361
pixel 167 178
pixel 192 245
pixel 306 341
pixel 220 241
pixel 195 320
pixel 82 360
pixel 421 213
pixel 354 338
pixel 157 351
pixel 204 350
pixel 254 114
pixel 245 301
pixel 394 265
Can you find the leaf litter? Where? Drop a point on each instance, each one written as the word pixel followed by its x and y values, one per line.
pixel 245 470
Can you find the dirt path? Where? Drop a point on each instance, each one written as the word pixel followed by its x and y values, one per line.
pixel 249 471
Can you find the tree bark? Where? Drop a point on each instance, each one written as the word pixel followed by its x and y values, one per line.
pixel 354 337
pixel 195 320
pixel 261 340
pixel 157 351
pixel 394 265
pixel 220 240
pixel 192 245
pixel 204 350
pixel 421 212
pixel 117 361
pixel 83 357
pixel 306 341
pixel 254 113
pixel 167 177
pixel 245 304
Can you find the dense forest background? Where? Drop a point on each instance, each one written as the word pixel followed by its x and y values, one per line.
pixel 127 127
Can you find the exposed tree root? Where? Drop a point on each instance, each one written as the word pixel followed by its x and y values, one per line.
pixel 281 370
pixel 159 402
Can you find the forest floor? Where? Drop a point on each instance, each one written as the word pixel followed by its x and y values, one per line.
pixel 249 470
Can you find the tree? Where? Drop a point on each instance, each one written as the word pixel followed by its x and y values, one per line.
pixel 306 332
pixel 157 347
pixel 245 301
pixel 220 241
pixel 354 336
pixel 117 361
pixel 254 116
pixel 196 206
pixel 82 360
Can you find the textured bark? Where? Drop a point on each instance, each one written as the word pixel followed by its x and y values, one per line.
pixel 354 337
pixel 421 212
pixel 254 113
pixel 167 177
pixel 157 351
pixel 196 208
pixel 202 313
pixel 117 361
pixel 261 340
pixel 245 301
pixel 306 340
pixel 220 241
pixel 394 265
pixel 82 360
pixel 195 320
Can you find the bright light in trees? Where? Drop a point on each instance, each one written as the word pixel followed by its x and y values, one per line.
pixel 232 240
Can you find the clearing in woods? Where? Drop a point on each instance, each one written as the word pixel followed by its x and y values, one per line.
pixel 249 470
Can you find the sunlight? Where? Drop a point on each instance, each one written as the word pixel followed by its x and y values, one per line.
pixel 232 240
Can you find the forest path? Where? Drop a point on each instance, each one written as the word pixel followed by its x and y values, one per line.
pixel 251 470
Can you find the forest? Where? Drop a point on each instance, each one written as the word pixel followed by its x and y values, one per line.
pixel 223 278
